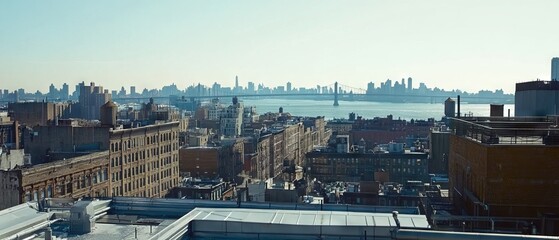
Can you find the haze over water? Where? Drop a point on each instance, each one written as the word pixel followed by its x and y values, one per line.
pixel 324 108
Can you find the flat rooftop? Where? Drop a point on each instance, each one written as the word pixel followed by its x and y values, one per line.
pixel 226 223
pixel 146 218
pixel 150 218
pixel 538 85
pixel 505 130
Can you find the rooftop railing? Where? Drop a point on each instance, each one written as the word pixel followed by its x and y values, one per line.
pixel 504 130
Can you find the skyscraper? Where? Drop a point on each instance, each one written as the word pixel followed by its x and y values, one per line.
pixel 65 92
pixel 250 87
pixel 555 69
pixel 91 99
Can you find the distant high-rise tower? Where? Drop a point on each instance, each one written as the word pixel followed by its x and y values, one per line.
pixel 65 92
pixel 132 90
pixel 555 69
pixel 250 87
pixel 288 86
pixel 410 82
pixel 236 82
pixel 91 99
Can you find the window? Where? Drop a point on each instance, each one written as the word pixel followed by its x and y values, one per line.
pixel 82 181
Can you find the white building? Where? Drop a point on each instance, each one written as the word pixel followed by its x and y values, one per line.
pixel 231 120
pixel 214 109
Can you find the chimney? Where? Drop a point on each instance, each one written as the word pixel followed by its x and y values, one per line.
pixel 458 114
pixel 16 135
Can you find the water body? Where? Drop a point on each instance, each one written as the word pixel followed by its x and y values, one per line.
pixel 366 109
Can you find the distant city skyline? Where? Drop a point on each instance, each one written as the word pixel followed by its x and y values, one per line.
pixel 397 84
pixel 470 45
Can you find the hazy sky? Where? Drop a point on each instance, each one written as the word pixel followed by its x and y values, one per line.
pixel 470 45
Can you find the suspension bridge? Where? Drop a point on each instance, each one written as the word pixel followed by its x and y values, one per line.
pixel 336 92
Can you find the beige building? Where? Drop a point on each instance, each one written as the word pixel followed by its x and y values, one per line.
pixel 141 162
pixel 292 135
pixel 144 161
pixel 83 176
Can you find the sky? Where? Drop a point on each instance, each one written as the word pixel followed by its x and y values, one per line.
pixel 470 45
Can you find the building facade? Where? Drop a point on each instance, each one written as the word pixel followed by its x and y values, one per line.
pixel 45 143
pixel 231 120
pixel 439 151
pixel 91 99
pixel 354 167
pixel 504 168
pixel 38 113
pixel 223 161
pixel 83 176
pixel 144 161
pixel 536 98
pixel 200 162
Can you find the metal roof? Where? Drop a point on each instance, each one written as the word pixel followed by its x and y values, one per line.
pixel 264 220
pixel 22 218
pixel 298 217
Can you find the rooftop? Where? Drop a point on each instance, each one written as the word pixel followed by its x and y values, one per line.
pixel 266 224
pixel 146 218
pixel 537 85
pixel 505 130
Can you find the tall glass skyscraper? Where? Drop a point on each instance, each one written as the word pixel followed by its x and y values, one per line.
pixel 555 69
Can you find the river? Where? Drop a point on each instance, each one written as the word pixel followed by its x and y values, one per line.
pixel 366 109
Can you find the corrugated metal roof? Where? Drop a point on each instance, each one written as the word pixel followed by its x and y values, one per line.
pixel 268 223
pixel 315 218
pixel 21 217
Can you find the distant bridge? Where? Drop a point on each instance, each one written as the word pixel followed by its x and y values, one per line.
pixel 340 92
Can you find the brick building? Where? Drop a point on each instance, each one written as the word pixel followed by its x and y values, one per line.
pixel 438 151
pixel 200 162
pixel 144 160
pixel 354 167
pixel 38 113
pixel 384 130
pixel 44 143
pixel 277 153
pixel 224 161
pixel 505 167
pixel 263 146
pixel 83 176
